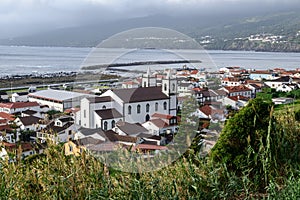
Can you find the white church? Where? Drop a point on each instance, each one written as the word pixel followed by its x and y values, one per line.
pixel 133 105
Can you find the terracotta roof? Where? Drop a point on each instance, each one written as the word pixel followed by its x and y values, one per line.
pixel 5 127
pixel 3 121
pixel 162 116
pixel 25 146
pixel 108 113
pixel 206 110
pixel 72 110
pixel 140 94
pixel 7 116
pixel 239 97
pixel 231 79
pixel 240 88
pixel 19 105
pixel 159 123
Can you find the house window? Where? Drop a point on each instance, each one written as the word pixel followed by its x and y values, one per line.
pixel 156 106
pixel 147 108
pixel 70 148
pixel 129 110
pixel 113 123
pixel 145 84
pixel 173 87
pixel 105 126
pixel 84 113
pixel 138 109
pixel 165 105
pixel 70 132
pixel 165 87
pixel 103 107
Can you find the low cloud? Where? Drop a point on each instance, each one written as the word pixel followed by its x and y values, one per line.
pixel 20 17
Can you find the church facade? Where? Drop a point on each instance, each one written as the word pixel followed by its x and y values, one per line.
pixel 132 105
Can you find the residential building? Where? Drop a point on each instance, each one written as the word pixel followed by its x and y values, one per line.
pixel 241 90
pixel 19 97
pixel 18 107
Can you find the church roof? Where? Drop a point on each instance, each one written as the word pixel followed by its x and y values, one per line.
pixel 140 94
pixel 109 113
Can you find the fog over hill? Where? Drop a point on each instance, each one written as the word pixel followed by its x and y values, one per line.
pixel 87 23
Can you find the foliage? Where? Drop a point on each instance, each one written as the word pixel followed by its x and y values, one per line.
pixel 262 166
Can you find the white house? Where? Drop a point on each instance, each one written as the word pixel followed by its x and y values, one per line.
pixel 161 124
pixel 28 123
pixel 236 102
pixel 241 90
pixel 279 82
pixel 16 107
pixel 19 97
pixel 60 129
pixel 286 87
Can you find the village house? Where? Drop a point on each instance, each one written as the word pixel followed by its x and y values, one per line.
pixel 60 129
pixel 29 123
pixel 161 124
pixel 262 75
pixel 235 102
pixel 19 97
pixel 18 107
pixel 211 113
pixel 285 80
pixel 241 90
pixel 231 81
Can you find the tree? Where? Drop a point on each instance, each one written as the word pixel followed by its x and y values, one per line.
pixel 246 128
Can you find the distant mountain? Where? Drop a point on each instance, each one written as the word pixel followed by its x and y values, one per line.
pixel 226 32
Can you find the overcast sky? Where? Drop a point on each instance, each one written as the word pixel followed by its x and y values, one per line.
pixel 19 17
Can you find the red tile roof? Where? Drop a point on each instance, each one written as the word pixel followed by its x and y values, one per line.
pixel 162 116
pixel 240 88
pixel 7 116
pixel 206 110
pixel 19 105
pixel 159 123
pixel 239 97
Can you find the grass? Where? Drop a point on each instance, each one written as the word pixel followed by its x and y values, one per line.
pixel 53 175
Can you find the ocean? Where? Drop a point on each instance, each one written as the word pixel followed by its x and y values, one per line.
pixel 20 60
